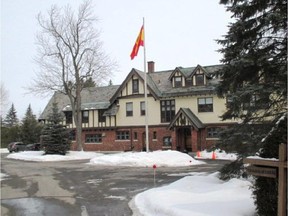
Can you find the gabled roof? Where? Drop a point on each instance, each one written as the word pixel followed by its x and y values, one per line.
pixel 184 71
pixel 201 68
pixel 150 84
pixel 185 117
pixel 92 98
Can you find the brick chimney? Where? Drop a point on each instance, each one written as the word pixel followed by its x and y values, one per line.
pixel 151 66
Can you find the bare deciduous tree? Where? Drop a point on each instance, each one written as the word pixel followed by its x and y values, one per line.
pixel 69 53
pixel 3 98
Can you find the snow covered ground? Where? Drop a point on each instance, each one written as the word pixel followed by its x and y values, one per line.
pixel 196 194
pixel 220 154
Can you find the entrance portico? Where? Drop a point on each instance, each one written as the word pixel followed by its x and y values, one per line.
pixel 188 130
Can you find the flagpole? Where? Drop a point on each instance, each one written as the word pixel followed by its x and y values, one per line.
pixel 145 94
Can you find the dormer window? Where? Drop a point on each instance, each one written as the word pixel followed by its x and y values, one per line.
pixel 135 86
pixel 189 82
pixel 178 81
pixel 199 78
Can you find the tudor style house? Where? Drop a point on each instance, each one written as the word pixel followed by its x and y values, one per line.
pixel 183 111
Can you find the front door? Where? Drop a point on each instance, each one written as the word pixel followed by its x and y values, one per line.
pixel 184 141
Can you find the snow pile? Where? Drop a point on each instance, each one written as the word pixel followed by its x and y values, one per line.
pixel 4 150
pixel 3 176
pixel 220 154
pixel 39 156
pixel 198 195
pixel 143 159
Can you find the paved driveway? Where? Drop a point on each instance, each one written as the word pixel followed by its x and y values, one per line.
pixel 75 188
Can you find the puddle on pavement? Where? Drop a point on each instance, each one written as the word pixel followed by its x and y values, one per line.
pixel 40 206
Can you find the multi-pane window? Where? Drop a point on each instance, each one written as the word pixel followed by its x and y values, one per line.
pixel 178 81
pixel 135 86
pixel 205 104
pixel 142 108
pixel 122 135
pixel 167 141
pixel 167 110
pixel 129 109
pixel 68 116
pixel 93 138
pixel 199 79
pixel 213 132
pixel 85 116
pixel 189 82
pixel 256 102
pixel 101 117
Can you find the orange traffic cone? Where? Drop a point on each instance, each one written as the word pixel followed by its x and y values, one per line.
pixel 213 155
pixel 198 154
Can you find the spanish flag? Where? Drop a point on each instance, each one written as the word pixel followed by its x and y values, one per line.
pixel 139 42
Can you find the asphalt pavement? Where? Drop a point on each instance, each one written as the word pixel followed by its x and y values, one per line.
pixel 75 188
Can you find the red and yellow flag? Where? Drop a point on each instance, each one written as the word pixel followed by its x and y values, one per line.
pixel 139 42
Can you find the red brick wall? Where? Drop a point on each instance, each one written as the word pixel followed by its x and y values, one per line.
pixel 109 142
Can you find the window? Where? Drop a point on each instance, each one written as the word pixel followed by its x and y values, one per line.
pixel 129 109
pixel 154 135
pixel 135 136
pixel 213 132
pixel 101 118
pixel 229 101
pixel 199 79
pixel 205 104
pixel 189 82
pixel 167 141
pixel 135 86
pixel 85 116
pixel 69 118
pixel 167 110
pixel 72 135
pixel 93 138
pixel 255 102
pixel 142 108
pixel 123 135
pixel 178 81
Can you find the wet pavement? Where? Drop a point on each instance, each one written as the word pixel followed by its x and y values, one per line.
pixel 76 188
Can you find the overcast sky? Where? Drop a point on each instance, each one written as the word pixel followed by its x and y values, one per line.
pixel 178 33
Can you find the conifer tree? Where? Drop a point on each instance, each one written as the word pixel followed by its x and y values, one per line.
pixel 54 136
pixel 254 80
pixel 31 128
pixel 11 118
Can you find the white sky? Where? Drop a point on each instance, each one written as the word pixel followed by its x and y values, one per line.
pixel 178 33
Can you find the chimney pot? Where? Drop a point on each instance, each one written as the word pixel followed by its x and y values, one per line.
pixel 151 66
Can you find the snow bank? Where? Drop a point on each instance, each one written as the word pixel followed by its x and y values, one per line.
pixel 220 154
pixel 3 176
pixel 39 156
pixel 4 150
pixel 167 158
pixel 198 195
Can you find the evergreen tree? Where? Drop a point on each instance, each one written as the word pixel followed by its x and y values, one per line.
pixel 54 136
pixel 265 190
pixel 31 128
pixel 110 83
pixel 255 58
pixel 89 83
pixel 10 128
pixel 11 118
pixel 254 79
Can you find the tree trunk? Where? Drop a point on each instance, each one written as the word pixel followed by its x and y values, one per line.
pixel 79 120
